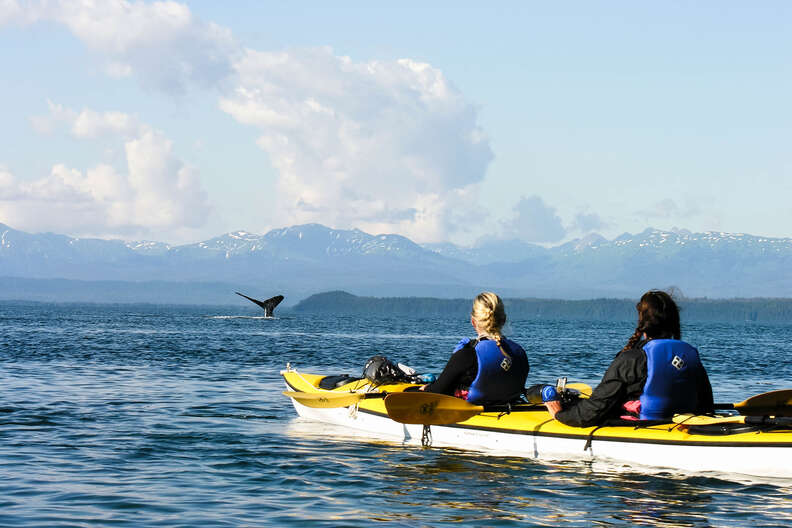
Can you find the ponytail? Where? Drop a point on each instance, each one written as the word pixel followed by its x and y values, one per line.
pixel 634 339
pixel 490 315
pixel 658 318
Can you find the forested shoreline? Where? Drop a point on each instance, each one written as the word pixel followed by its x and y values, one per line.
pixel 759 310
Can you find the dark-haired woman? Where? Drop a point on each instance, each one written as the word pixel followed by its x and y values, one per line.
pixel 654 376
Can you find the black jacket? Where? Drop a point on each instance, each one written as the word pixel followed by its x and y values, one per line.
pixel 623 381
pixel 459 372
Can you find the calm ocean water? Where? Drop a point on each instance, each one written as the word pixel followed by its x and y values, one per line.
pixel 172 416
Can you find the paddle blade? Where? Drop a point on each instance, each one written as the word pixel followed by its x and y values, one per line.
pixel 774 403
pixel 325 400
pixel 428 409
pixel 692 419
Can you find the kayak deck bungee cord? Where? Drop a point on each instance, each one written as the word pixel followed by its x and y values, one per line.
pixel 748 445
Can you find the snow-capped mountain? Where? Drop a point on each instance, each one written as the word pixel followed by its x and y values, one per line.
pixel 302 259
pixel 649 240
pixel 303 242
pixel 311 258
pixel 297 242
pixel 678 240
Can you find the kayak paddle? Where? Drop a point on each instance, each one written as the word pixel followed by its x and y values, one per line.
pixel 773 403
pixel 428 408
pixel 327 400
pixel 694 419
pixel 690 419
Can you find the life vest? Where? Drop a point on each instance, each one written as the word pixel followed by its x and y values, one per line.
pixel 672 368
pixel 500 378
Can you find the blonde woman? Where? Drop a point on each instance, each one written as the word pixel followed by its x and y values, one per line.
pixel 489 369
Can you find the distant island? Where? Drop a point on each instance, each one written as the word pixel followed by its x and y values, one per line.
pixel 695 310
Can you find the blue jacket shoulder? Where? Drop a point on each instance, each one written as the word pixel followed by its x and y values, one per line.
pixel 462 342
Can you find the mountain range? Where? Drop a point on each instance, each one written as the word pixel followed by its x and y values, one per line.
pixel 301 260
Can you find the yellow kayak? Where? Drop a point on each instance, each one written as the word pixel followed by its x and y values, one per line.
pixel 525 430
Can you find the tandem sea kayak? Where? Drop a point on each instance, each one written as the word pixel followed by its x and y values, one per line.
pixel 758 446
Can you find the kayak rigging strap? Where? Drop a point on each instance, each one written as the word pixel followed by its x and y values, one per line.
pixel 722 429
pixel 426 436
pixel 506 411
pixel 587 447
pixel 619 422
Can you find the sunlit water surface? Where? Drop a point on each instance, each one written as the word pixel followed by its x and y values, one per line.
pixel 173 416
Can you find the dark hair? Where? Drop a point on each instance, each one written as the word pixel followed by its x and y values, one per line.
pixel 658 318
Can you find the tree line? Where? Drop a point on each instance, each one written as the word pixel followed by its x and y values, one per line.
pixel 760 310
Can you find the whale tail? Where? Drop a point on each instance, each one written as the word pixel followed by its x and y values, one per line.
pixel 268 305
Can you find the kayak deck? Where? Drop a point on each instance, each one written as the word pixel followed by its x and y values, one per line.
pixel 531 432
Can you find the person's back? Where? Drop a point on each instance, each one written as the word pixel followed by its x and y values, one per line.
pixel 490 369
pixel 672 379
pixel 654 376
pixel 502 371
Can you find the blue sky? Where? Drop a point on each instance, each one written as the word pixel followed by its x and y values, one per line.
pixel 537 121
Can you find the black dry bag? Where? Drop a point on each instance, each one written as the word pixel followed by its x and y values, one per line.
pixel 380 370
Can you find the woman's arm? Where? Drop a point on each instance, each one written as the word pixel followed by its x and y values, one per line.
pixel 625 376
pixel 706 402
pixel 462 362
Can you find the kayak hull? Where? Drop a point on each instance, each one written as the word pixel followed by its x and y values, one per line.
pixel 534 434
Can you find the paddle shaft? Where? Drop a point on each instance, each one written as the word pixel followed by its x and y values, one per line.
pixel 765 420
pixel 762 421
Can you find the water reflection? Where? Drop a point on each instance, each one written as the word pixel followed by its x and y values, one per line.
pixel 463 487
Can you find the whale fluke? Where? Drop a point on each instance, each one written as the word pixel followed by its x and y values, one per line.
pixel 268 305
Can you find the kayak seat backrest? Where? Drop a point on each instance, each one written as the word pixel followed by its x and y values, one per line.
pixel 333 382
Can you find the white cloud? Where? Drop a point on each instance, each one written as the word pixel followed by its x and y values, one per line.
pixel 91 124
pixel 377 145
pixel 534 221
pixel 156 192
pixel 161 42
pixel 380 145
pixel 58 115
pixel 586 222
pixel 87 124
pixel 8 186
pixel 118 70
pixel 10 11
pixel 167 192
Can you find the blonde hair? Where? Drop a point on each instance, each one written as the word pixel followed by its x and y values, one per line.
pixel 490 315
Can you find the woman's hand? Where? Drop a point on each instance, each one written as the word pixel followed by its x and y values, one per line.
pixel 553 407
pixel 422 388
